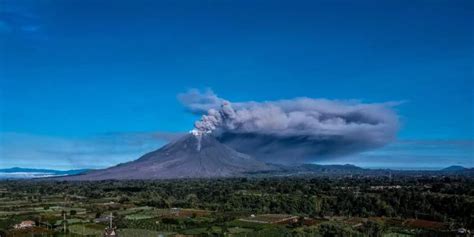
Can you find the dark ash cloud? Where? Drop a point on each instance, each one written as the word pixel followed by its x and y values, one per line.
pixel 296 130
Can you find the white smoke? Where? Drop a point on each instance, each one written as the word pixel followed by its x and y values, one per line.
pixel 296 130
pixel 212 121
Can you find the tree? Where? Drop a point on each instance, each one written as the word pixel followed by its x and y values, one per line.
pixel 373 228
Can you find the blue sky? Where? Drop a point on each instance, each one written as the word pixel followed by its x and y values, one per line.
pixel 74 72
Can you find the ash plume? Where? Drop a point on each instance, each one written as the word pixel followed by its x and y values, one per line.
pixel 293 131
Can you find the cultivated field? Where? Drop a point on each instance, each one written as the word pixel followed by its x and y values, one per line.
pixel 240 207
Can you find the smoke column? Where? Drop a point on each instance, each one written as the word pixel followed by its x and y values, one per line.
pixel 293 131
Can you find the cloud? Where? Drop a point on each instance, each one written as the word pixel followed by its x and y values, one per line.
pixel 296 130
pixel 21 23
pixel 199 103
pixel 99 151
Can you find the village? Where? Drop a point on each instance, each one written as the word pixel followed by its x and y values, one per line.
pixel 243 226
pixel 253 208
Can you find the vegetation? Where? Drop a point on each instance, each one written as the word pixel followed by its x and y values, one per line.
pixel 303 206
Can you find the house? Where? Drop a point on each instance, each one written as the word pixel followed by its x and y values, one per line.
pixel 25 224
pixel 102 219
pixel 110 232
pixel 463 232
pixel 174 211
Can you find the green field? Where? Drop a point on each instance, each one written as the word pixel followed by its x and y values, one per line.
pixel 138 216
pixel 87 229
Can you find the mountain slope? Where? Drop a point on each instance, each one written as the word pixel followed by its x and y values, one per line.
pixel 188 157
pixel 455 168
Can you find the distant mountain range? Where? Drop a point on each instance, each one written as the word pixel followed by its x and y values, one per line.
pixel 277 170
pixel 349 170
pixel 26 173
pixel 203 156
pixel 457 168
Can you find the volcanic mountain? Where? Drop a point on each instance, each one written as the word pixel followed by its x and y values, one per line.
pixel 191 156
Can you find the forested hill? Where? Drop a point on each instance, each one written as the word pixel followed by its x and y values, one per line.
pixel 348 169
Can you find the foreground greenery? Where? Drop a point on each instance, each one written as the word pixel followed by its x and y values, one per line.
pixel 338 206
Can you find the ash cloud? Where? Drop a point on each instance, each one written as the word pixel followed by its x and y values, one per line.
pixel 295 130
pixel 200 102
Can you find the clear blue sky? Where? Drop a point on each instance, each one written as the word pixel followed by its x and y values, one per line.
pixel 76 69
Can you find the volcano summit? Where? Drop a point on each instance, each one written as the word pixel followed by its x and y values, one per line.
pixel 192 156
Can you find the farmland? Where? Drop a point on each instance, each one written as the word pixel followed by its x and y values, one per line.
pixel 306 206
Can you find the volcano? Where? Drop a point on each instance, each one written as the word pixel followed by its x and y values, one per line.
pixel 192 156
